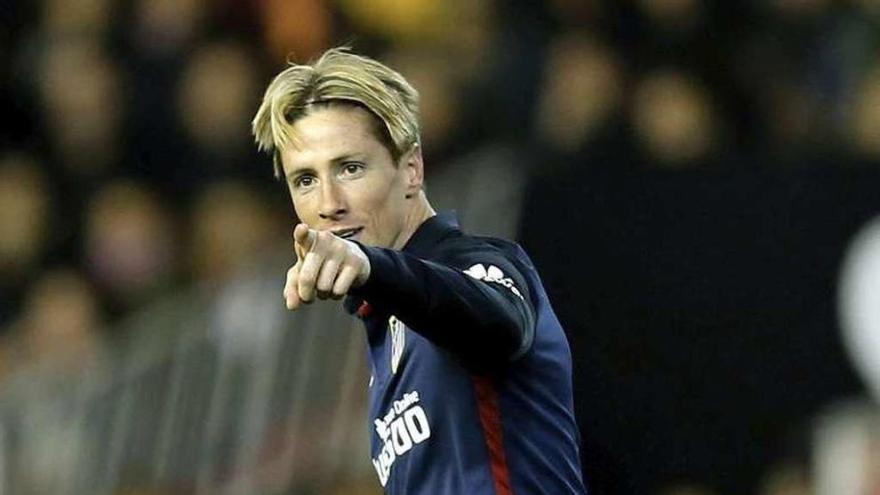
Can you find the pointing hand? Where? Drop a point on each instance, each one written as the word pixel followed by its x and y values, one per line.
pixel 327 266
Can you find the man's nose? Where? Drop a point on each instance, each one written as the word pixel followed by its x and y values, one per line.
pixel 332 202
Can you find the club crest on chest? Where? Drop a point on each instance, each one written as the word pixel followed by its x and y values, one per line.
pixel 398 341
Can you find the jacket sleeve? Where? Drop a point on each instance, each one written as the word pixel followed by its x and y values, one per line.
pixel 474 303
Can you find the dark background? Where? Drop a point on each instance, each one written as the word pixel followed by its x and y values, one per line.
pixel 701 308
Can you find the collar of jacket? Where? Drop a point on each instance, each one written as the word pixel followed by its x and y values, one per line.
pixel 430 232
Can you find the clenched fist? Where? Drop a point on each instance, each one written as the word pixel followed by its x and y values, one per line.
pixel 327 266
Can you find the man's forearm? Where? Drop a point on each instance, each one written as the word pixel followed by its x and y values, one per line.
pixel 467 316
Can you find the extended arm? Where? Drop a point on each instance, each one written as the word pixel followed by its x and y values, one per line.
pixel 476 304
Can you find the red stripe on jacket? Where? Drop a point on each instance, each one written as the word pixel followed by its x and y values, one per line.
pixel 490 420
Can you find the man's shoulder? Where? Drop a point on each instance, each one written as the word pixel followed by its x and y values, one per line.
pixel 471 252
pixel 461 243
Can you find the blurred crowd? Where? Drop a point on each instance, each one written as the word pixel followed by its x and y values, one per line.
pixel 127 169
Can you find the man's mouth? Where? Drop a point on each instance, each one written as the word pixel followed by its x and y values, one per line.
pixel 348 233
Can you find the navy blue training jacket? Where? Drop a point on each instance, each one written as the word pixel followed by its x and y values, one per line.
pixel 470 390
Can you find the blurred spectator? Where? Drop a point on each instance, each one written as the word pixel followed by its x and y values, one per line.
pixel 130 244
pixel 61 324
pixel 582 90
pixel 801 66
pixel 403 20
pixel 433 74
pixel 164 28
pixel 298 28
pixel 674 119
pixel 25 217
pixel 59 348
pixel 216 97
pixel 66 18
pixel 462 29
pixel 232 228
pixel 84 106
pixel 865 117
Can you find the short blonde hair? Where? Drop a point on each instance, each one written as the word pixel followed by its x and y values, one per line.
pixel 338 76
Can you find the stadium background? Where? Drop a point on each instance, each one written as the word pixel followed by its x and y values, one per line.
pixel 688 176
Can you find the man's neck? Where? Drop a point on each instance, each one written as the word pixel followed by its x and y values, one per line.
pixel 421 211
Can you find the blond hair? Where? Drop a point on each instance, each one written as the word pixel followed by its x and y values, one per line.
pixel 338 76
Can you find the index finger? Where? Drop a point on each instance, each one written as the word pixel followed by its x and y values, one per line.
pixel 303 240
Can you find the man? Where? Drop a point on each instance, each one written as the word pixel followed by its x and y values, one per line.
pixel 470 391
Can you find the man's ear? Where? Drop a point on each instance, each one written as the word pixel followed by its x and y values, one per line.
pixel 415 170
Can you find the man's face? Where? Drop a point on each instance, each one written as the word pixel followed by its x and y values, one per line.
pixel 342 178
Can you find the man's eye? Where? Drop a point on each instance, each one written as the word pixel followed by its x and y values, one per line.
pixel 352 168
pixel 304 181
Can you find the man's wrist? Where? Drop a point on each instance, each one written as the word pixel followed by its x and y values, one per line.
pixel 366 267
